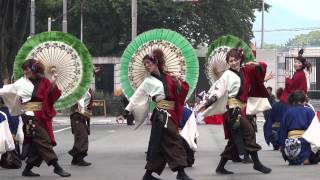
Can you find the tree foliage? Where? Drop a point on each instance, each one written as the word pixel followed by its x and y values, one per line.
pixel 107 23
pixel 13 23
pixel 272 46
pixel 310 39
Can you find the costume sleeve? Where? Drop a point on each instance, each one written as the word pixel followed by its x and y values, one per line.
pixel 283 131
pixel 297 82
pixel 219 88
pixel 220 91
pixel 49 98
pixel 139 98
pixel 6 140
pixel 256 75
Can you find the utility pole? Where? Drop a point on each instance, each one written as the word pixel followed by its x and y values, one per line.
pixel 49 23
pixel 32 18
pixel 262 26
pixel 64 19
pixel 81 21
pixel 134 7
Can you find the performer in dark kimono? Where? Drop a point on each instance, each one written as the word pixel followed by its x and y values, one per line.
pixel 272 123
pixel 234 88
pixel 169 93
pixel 80 126
pixel 38 95
pixel 295 122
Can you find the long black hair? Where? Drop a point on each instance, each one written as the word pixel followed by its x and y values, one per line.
pixel 303 60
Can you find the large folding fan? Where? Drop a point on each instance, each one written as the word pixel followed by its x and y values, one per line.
pixel 66 55
pixel 216 56
pixel 179 55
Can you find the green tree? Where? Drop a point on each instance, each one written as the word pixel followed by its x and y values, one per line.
pixel 107 23
pixel 310 39
pixel 13 31
pixel 272 46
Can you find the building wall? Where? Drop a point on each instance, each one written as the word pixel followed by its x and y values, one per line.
pixel 269 56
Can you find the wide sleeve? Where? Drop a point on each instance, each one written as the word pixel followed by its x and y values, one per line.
pixel 11 99
pixel 297 82
pixel 139 101
pixel 139 98
pixel 220 91
pixel 6 140
pixel 312 134
pixel 219 88
pixel 50 97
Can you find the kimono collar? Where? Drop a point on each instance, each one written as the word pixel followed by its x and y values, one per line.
pixel 236 72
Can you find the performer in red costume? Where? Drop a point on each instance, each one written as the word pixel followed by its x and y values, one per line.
pixel 299 79
pixel 241 88
pixel 38 94
pixel 169 92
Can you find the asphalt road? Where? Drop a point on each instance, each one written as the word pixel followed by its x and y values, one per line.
pixel 118 153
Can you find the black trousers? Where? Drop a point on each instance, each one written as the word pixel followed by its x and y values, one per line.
pixel 37 146
pixel 169 149
pixel 80 132
pixel 248 137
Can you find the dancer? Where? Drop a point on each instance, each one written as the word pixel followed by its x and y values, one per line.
pixel 169 92
pixel 38 95
pixel 296 121
pixel 233 88
pixel 80 126
pixel 272 124
pixel 299 79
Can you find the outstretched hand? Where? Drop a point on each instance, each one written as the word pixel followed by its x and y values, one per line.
pixel 269 76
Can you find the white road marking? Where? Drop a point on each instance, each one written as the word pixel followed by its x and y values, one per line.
pixel 59 130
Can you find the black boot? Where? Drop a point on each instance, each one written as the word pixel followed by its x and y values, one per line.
pixel 246 159
pixel 237 159
pixel 220 169
pixel 182 175
pixel 28 173
pixel 148 176
pixel 74 161
pixel 257 164
pixel 58 170
pixel 82 162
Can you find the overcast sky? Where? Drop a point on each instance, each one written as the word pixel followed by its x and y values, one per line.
pixel 287 14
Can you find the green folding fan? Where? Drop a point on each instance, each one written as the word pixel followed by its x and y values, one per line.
pixel 180 58
pixel 67 55
pixel 216 56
